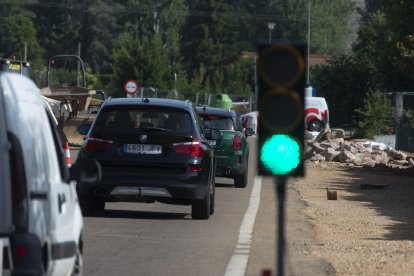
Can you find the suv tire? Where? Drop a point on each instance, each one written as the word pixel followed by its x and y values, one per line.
pixel 89 205
pixel 200 209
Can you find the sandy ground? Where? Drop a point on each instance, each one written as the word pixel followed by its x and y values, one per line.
pixel 369 229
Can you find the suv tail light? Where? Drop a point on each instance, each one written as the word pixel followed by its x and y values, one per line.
pixel 237 143
pixel 193 148
pixel 97 145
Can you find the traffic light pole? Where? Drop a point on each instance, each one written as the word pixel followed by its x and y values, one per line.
pixel 281 191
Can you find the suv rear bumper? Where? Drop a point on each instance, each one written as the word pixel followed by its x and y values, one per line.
pixel 229 166
pixel 139 187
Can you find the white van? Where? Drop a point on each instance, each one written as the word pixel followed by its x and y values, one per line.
pixel 43 221
pixel 316 113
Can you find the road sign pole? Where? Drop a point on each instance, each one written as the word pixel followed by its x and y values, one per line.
pixel 280 183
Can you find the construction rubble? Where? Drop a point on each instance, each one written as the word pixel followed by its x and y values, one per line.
pixel 330 145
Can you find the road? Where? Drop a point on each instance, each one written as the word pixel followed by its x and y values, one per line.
pixel 239 239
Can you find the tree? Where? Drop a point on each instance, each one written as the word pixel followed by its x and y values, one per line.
pixel 59 25
pixel 144 60
pixel 376 115
pixel 210 40
pixel 98 33
pixel 373 47
pixel 17 30
pixel 330 23
pixel 399 15
pixel 344 82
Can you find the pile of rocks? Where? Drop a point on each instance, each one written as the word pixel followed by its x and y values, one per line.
pixel 330 145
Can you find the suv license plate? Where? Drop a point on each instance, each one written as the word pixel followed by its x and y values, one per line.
pixel 142 149
pixel 211 142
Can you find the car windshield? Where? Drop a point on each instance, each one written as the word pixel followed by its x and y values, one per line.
pixel 169 120
pixel 220 123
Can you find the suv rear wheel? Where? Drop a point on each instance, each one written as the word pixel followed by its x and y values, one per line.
pixel 202 209
pixel 89 205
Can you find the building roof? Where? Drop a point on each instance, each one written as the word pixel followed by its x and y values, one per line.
pixel 313 59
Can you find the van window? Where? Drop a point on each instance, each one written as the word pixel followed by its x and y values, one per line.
pixel 59 148
pixel 39 145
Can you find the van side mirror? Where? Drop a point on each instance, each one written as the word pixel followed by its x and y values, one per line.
pixel 86 171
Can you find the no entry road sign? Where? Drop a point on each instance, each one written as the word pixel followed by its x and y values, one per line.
pixel 131 87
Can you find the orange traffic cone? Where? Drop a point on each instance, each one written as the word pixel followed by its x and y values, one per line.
pixel 67 155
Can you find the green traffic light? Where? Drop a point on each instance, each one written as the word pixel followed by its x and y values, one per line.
pixel 280 154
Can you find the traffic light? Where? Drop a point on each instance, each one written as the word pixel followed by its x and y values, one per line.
pixel 281 79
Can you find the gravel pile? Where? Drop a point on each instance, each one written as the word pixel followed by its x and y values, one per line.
pixel 331 146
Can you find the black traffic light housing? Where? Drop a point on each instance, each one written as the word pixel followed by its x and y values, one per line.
pixel 281 79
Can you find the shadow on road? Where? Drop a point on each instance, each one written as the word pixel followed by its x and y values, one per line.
pixel 389 192
pixel 224 185
pixel 130 214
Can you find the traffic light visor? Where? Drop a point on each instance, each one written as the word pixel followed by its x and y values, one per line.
pixel 281 65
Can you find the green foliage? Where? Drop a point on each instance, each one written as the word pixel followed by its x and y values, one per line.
pixel 376 115
pixel 210 40
pixel 330 23
pixel 99 24
pixel 91 79
pixel 16 29
pixel 344 82
pixel 145 61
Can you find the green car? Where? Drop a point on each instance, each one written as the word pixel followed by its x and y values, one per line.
pixel 232 150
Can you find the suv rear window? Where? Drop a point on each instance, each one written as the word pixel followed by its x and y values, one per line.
pixel 144 118
pixel 221 123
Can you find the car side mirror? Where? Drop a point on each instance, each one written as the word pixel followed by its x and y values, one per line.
pixel 83 129
pixel 213 134
pixel 86 171
pixel 249 132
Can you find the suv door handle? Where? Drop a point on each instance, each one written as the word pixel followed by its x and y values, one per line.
pixel 38 195
pixel 61 203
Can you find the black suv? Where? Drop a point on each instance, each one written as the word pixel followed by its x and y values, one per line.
pixel 150 150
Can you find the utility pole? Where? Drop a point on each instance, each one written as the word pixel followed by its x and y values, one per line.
pixel 309 29
pixel 271 26
pixel 25 51
pixel 78 72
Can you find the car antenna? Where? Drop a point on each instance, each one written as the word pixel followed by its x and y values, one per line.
pixel 145 100
pixel 204 108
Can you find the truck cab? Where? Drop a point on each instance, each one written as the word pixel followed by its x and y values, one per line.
pixel 15 66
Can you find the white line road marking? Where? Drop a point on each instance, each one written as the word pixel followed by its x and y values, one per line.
pixel 242 251
pixel 238 263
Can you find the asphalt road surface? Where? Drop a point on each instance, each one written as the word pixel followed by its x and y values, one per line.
pixel 239 239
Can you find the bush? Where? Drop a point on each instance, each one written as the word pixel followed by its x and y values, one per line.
pixel 376 115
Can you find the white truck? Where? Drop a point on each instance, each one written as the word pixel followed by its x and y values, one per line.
pixel 316 113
